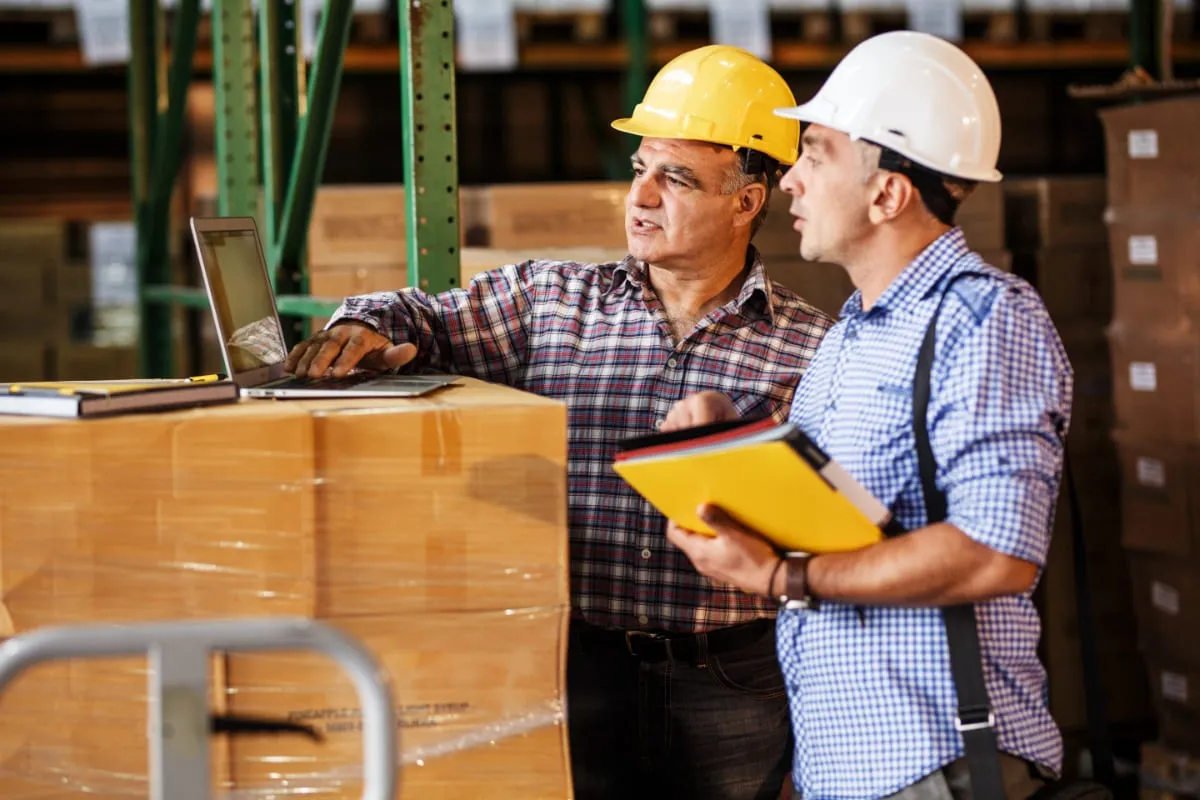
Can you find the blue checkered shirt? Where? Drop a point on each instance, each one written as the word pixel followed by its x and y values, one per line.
pixel 872 698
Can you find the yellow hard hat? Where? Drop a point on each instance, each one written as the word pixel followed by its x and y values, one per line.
pixel 718 94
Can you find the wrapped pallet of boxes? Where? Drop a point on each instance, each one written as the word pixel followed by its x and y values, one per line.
pixel 1153 213
pixel 432 529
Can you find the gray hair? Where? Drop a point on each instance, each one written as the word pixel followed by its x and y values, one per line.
pixel 736 179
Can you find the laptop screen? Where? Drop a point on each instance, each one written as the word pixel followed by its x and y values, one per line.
pixel 241 297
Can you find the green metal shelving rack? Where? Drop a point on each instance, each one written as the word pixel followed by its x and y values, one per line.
pixel 272 134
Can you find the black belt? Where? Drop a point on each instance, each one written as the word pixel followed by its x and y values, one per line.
pixel 655 646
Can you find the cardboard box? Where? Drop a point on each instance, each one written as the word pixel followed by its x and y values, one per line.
pixel 1177 694
pixel 337 283
pixel 1054 212
pixel 33 241
pixel 1156 266
pixel 78 729
pixel 434 529
pixel 23 362
pixel 1160 496
pixel 1166 595
pixel 826 286
pixel 1074 281
pixel 1152 158
pixel 538 216
pixel 332 508
pixel 1097 478
pixel 1156 381
pixel 479 701
pixel 981 217
pixel 355 226
pixel 1092 412
pixel 77 362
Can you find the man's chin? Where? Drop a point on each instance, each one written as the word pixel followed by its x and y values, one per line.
pixel 642 250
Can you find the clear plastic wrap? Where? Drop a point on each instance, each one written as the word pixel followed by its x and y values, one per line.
pixel 433 530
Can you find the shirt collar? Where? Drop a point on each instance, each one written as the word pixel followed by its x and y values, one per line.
pixel 755 296
pixel 919 277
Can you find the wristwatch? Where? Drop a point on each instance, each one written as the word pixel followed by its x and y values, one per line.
pixel 796 593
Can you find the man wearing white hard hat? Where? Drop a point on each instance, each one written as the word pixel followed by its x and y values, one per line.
pixel 968 458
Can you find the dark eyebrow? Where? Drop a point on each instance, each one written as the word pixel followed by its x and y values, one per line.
pixel 685 174
pixel 811 141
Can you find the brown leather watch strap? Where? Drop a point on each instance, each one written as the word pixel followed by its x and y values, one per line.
pixel 796 594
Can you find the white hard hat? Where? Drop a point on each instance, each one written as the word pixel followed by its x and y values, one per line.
pixel 917 95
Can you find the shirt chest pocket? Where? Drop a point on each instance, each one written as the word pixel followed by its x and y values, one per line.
pixel 887 421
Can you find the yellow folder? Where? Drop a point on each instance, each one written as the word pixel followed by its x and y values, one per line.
pixel 770 477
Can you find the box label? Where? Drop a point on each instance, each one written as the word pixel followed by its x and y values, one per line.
pixel 1143 376
pixel 1143 250
pixel 1174 686
pixel 1151 472
pixel 1143 144
pixel 1165 598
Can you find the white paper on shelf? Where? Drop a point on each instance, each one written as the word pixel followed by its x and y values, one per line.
pixel 745 24
pixel 103 31
pixel 487 34
pixel 942 18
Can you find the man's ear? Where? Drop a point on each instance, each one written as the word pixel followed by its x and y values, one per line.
pixel 892 194
pixel 751 199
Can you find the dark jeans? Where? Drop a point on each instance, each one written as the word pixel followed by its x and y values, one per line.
pixel 704 716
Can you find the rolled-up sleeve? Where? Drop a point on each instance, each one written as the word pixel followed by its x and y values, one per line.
pixel 479 330
pixel 998 419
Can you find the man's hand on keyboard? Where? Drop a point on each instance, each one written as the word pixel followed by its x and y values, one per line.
pixel 344 347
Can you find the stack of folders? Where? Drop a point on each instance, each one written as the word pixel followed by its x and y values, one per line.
pixel 102 398
pixel 769 476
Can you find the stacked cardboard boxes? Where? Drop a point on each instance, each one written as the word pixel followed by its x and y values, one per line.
pixel 1057 235
pixel 432 529
pixel 57 317
pixel 1153 217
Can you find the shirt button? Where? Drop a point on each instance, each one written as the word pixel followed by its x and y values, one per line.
pixel 658 423
pixel 672 362
pixel 644 619
pixel 646 553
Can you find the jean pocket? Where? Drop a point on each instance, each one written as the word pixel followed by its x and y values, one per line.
pixel 752 673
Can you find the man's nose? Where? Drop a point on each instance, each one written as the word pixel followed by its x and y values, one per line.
pixel 791 181
pixel 643 193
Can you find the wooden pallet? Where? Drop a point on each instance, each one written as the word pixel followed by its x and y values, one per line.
pixel 991 26
pixel 803 26
pixel 552 26
pixel 1168 774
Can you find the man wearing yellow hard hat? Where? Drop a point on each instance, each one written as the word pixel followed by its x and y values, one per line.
pixel 674 689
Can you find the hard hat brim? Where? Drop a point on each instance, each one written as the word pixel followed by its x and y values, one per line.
pixel 805 112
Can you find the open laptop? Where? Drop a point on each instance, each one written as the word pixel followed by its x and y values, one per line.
pixel 247 321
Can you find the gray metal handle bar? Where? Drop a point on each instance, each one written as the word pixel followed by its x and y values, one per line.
pixel 179 655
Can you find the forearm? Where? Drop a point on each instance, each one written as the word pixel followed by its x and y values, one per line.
pixel 478 330
pixel 934 566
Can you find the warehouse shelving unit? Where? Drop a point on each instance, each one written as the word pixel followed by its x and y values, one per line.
pixel 274 116
pixel 281 119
